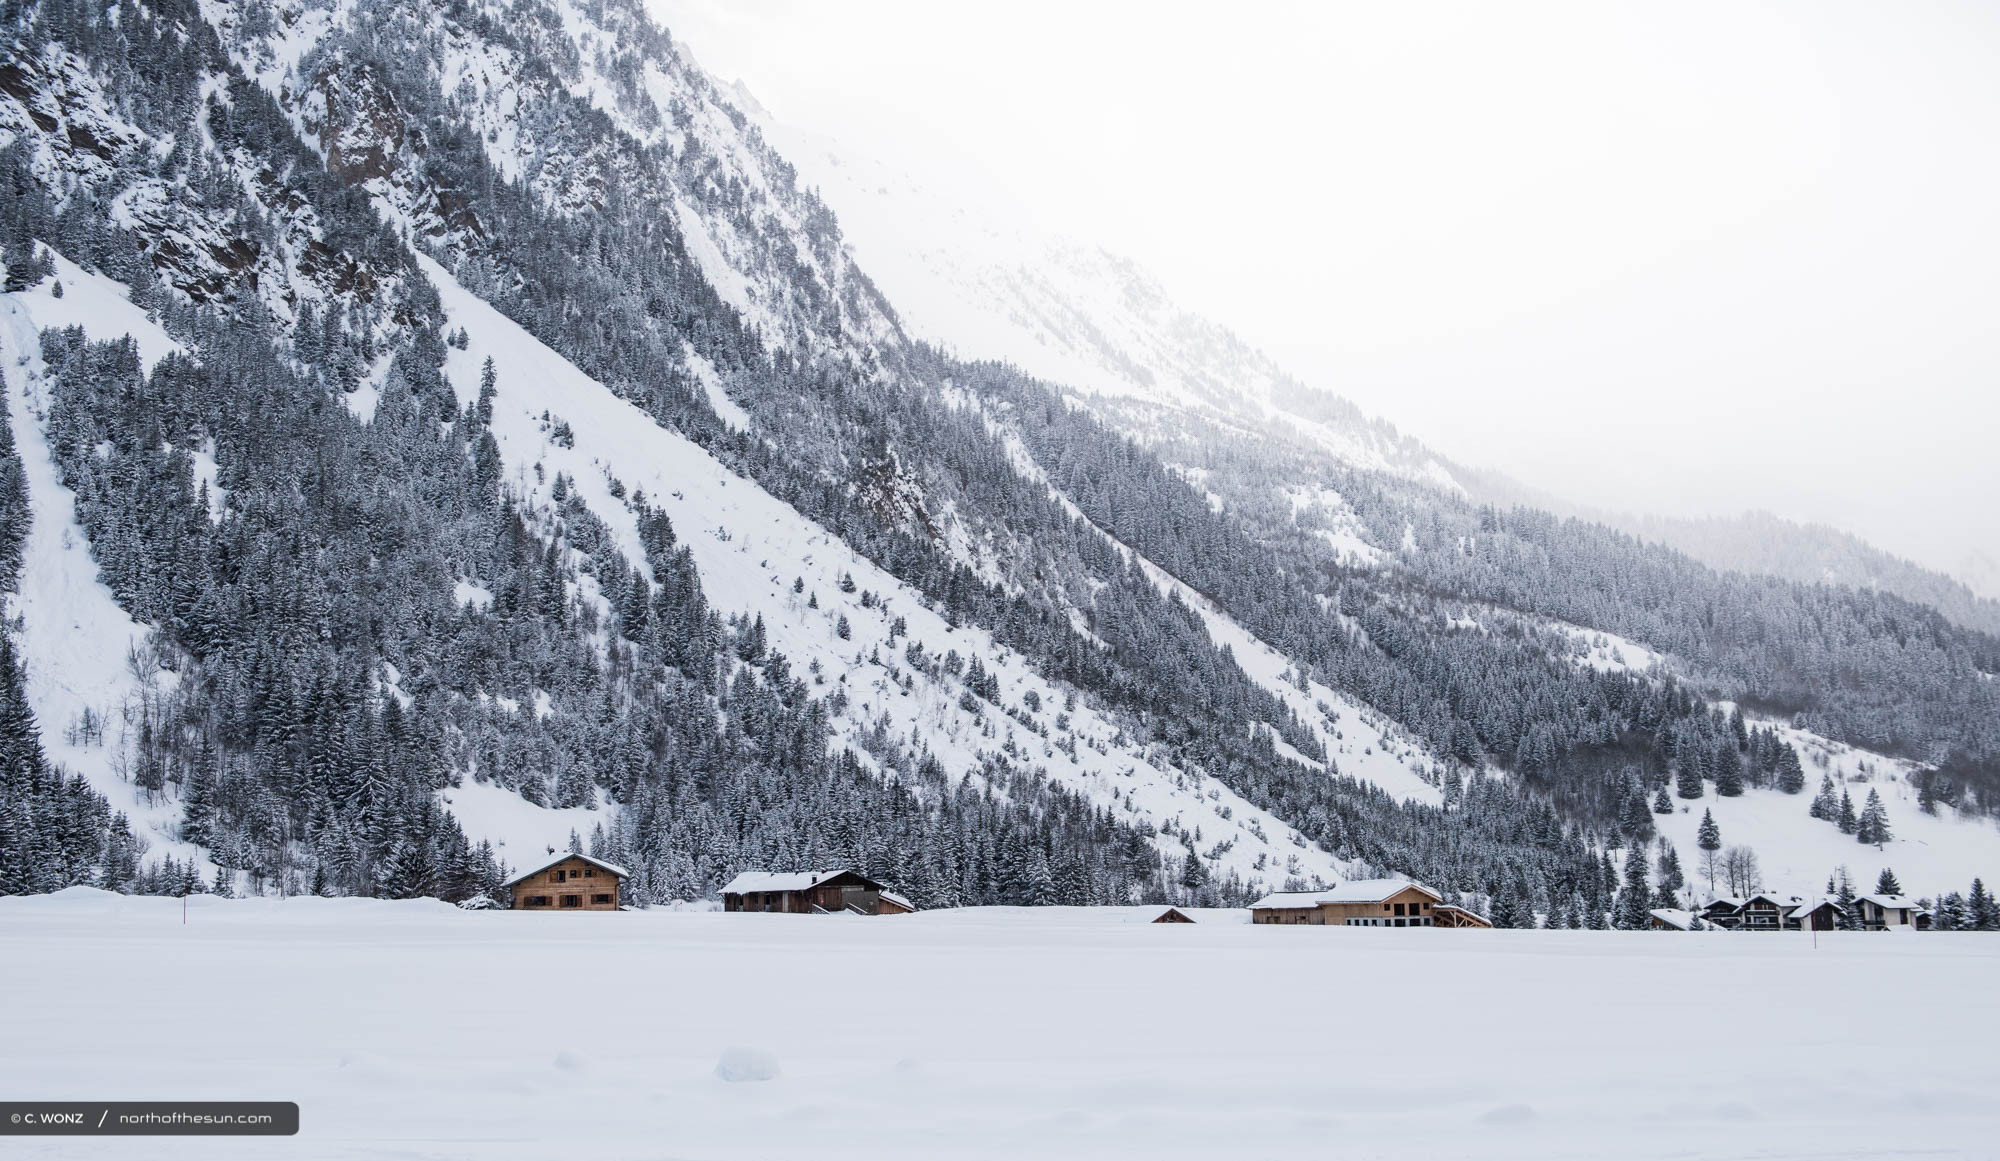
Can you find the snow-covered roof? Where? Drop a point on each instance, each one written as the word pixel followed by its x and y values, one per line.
pixel 1305 899
pixel 1354 891
pixel 614 868
pixel 1890 902
pixel 747 882
pixel 1673 917
pixel 898 900
pixel 1729 901
pixel 1807 907
pixel 1372 890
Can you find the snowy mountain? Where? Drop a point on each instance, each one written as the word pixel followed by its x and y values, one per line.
pixel 1075 315
pixel 482 437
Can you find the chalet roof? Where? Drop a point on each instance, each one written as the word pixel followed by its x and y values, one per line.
pixel 747 882
pixel 1889 902
pixel 898 900
pixel 1808 906
pixel 1306 899
pixel 1353 891
pixel 1673 917
pixel 614 868
pixel 1765 897
pixel 1729 901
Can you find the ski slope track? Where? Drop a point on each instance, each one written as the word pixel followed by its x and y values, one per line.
pixel 750 548
pixel 80 649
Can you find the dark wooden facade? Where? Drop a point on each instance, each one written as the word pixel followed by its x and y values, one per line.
pixel 810 893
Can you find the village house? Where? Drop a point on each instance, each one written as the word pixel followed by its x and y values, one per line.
pixel 1669 919
pixel 1361 903
pixel 568 883
pixel 1823 915
pixel 812 893
pixel 1759 912
pixel 1887 913
pixel 1722 912
pixel 1170 915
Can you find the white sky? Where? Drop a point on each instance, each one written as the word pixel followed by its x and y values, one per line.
pixel 1675 258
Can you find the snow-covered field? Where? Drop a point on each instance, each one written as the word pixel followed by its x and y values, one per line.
pixel 416 1030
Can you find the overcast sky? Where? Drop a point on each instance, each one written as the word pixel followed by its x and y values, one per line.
pixel 1685 259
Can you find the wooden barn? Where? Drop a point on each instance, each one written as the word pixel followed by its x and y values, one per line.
pixel 1170 915
pixel 568 883
pixel 812 893
pixel 1361 903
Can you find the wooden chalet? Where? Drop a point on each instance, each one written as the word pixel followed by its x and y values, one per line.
pixel 1722 913
pixel 1669 919
pixel 812 893
pixel 1361 903
pixel 1759 912
pixel 568 883
pixel 1170 915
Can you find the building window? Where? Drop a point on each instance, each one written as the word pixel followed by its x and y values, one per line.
pixel 600 898
pixel 1399 908
pixel 572 900
pixel 590 872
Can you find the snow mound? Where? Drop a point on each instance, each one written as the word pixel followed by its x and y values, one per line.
pixel 740 1065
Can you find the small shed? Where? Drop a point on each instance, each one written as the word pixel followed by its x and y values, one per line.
pixel 1170 915
pixel 811 893
pixel 567 883
pixel 1669 919
pixel 1452 915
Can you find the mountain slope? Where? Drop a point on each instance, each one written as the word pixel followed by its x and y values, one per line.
pixel 713 565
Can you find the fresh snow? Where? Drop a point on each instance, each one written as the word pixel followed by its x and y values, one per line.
pixel 520 831
pixel 400 1030
pixel 1931 854
pixel 80 649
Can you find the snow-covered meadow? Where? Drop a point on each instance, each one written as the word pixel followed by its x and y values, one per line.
pixel 417 1030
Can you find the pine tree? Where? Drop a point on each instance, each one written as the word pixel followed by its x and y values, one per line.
pixel 1661 803
pixel 1671 877
pixel 1824 804
pixel 1791 775
pixel 1728 771
pixel 1845 818
pixel 1886 884
pixel 1982 910
pixel 1687 781
pixel 1635 897
pixel 1843 893
pixel 1708 836
pixel 1873 825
